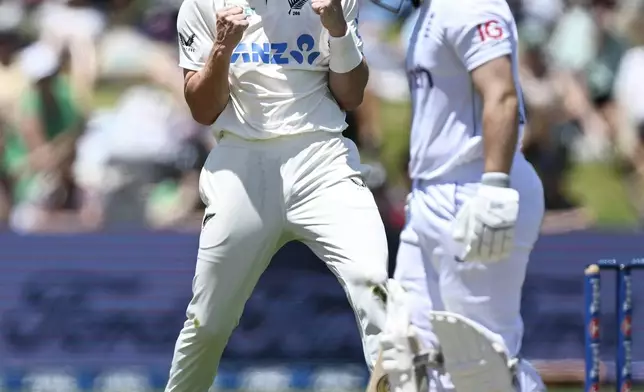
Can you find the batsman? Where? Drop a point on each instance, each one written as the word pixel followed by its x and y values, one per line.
pixel 474 211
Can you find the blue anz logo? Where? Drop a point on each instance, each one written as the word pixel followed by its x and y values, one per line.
pixel 277 52
pixel 305 44
pixel 260 53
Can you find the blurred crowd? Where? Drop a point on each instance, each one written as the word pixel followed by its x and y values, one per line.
pixel 94 132
pixel 581 73
pixel 581 83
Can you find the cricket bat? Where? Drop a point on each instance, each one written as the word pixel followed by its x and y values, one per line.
pixel 378 381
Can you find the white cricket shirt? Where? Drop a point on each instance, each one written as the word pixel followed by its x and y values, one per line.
pixel 279 70
pixel 450 39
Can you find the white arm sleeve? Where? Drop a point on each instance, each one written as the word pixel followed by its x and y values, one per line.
pixel 350 8
pixel 481 35
pixel 196 33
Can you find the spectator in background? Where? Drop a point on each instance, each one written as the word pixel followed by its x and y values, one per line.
pixel 629 86
pixel 387 78
pixel 387 81
pixel 552 127
pixel 12 80
pixel 600 74
pixel 573 54
pixel 154 36
pixel 75 26
pixel 142 161
pixel 542 12
pixel 40 153
pixel 13 83
pixel 5 189
pixel 585 43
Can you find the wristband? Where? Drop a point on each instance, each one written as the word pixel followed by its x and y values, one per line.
pixel 497 179
pixel 344 51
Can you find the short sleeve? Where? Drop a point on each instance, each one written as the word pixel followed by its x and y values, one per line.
pixel 196 32
pixel 481 36
pixel 350 8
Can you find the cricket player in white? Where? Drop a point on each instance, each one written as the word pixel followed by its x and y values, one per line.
pixel 475 209
pixel 274 78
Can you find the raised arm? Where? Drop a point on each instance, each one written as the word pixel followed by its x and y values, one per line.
pixel 205 56
pixel 348 73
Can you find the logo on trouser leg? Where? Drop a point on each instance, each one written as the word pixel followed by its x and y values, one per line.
pixel 206 218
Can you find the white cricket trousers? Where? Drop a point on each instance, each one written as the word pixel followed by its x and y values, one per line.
pixel 259 195
pixel 489 294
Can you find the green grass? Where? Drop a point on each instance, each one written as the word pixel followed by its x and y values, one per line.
pixel 600 188
pixel 395 120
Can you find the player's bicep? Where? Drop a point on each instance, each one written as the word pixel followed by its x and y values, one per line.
pixel 486 37
pixel 494 79
pixel 195 33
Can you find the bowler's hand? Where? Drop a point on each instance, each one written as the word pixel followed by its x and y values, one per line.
pixel 484 226
pixel 331 15
pixel 231 24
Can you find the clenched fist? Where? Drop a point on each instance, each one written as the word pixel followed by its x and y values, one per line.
pixel 331 15
pixel 231 24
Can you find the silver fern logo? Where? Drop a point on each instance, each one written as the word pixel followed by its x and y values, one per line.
pixel 296 6
pixel 187 41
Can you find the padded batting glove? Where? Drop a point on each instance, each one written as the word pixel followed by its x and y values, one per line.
pixel 484 226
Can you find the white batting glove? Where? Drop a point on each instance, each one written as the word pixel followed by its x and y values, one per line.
pixel 398 341
pixel 484 226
